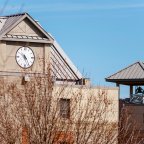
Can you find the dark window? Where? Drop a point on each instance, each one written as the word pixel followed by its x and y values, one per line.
pixel 65 108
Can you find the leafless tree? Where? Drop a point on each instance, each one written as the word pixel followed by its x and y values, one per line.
pixel 41 112
pixel 129 128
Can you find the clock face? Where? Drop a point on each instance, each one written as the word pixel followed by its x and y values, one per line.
pixel 25 57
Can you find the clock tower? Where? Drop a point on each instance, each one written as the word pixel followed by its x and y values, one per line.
pixel 26 48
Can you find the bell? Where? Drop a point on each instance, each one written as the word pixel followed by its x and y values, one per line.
pixel 139 90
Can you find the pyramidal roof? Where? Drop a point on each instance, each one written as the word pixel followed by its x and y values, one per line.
pixel 7 23
pixel 134 72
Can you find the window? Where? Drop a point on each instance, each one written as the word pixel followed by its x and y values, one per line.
pixel 64 108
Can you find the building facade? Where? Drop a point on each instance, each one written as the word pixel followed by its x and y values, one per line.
pixel 132 106
pixel 26 51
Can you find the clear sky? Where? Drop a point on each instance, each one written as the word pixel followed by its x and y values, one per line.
pixel 100 36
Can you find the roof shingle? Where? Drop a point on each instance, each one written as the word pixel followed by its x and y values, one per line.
pixel 132 72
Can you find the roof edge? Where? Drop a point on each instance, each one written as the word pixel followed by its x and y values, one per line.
pixel 140 63
pixel 40 27
pixel 67 60
pixel 16 14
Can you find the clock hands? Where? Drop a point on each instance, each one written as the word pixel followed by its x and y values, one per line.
pixel 25 58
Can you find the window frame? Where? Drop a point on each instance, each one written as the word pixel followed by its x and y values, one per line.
pixel 64 108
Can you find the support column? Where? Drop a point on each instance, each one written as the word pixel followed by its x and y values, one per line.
pixel 131 90
pixel 119 109
pixel 118 85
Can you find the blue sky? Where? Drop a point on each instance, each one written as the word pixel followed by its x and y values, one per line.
pixel 100 36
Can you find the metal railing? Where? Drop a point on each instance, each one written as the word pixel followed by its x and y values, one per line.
pixel 137 98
